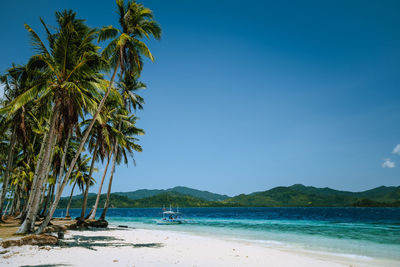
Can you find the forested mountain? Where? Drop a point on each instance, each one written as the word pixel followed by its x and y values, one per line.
pixel 309 196
pixel 163 199
pixel 204 195
pixel 293 196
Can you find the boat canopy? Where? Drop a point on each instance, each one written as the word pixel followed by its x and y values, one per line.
pixel 170 212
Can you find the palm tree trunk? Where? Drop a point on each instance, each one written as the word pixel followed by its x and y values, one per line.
pixel 52 196
pixel 103 214
pixel 43 161
pixel 8 169
pixel 51 193
pixel 31 193
pixel 50 187
pixel 85 196
pixel 81 145
pixel 60 186
pixel 44 179
pixel 18 204
pixel 11 206
pixel 15 200
pixel 61 172
pixel 5 210
pixel 69 201
pixel 46 202
pixel 42 196
pixel 96 204
pixel 90 213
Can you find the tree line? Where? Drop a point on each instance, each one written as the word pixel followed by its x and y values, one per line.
pixel 60 113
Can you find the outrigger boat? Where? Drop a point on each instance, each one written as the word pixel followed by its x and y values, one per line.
pixel 170 217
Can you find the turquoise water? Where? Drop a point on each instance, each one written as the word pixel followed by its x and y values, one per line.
pixel 352 232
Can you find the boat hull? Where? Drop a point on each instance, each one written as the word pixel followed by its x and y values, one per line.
pixel 168 222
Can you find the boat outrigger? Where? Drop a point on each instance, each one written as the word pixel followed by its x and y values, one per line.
pixel 170 217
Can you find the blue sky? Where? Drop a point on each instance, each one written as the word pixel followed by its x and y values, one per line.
pixel 248 95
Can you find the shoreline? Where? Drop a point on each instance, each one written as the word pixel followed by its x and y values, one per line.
pixel 149 247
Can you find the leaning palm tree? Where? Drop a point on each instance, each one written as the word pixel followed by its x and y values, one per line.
pixel 126 48
pixel 124 51
pixel 16 80
pixel 105 133
pixel 70 80
pixel 99 140
pixel 124 145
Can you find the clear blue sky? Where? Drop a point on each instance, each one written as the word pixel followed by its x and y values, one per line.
pixel 248 95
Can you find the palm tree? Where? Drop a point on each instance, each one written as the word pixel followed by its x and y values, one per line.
pixel 16 80
pixel 124 144
pixel 70 79
pixel 105 133
pixel 99 142
pixel 124 51
pixel 92 215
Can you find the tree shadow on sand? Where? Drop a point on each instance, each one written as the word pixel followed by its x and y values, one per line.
pixel 46 265
pixel 92 242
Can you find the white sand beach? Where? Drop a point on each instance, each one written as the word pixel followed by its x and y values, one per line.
pixel 139 247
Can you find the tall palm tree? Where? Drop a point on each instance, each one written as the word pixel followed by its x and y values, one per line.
pixel 124 145
pixel 70 80
pixel 105 135
pixel 126 48
pixel 99 141
pixel 16 80
pixel 124 51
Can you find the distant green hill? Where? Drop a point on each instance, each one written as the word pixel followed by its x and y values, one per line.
pixel 309 196
pixel 204 195
pixel 381 194
pixel 174 199
pixel 167 198
pixel 293 196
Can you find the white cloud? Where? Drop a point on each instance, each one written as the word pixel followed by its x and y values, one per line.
pixel 396 150
pixel 387 163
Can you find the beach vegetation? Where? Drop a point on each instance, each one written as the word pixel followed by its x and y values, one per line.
pixel 63 110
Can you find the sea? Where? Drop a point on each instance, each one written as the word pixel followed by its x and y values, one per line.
pixel 357 233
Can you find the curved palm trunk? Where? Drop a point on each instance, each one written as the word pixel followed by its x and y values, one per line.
pixel 103 214
pixel 42 165
pixel 81 145
pixel 96 204
pixel 46 202
pixel 8 169
pixel 90 213
pixel 69 202
pixel 61 172
pixel 44 179
pixel 85 197
pixel 42 197
pixel 31 193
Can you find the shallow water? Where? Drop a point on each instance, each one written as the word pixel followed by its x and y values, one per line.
pixel 351 232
